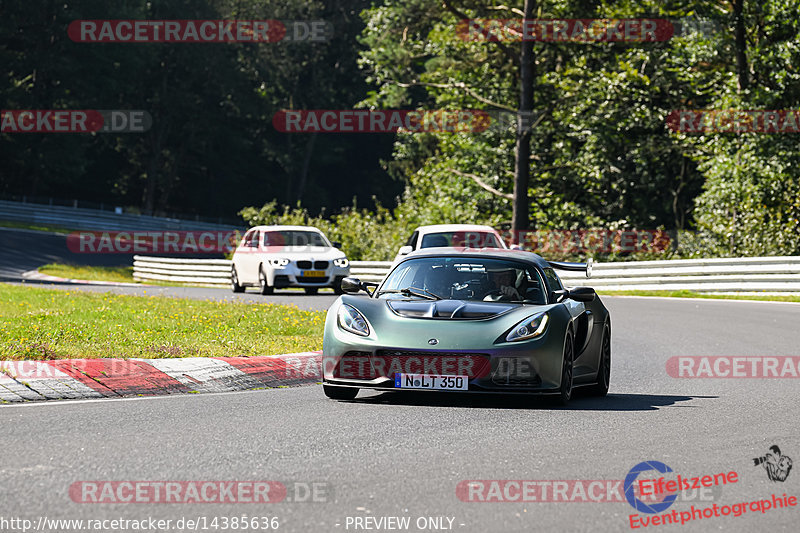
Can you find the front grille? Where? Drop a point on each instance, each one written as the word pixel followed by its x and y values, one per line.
pixel 320 265
pixel 390 362
pixel 304 265
pixel 354 365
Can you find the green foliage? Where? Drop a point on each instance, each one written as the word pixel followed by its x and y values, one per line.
pixel 212 147
pixel 365 235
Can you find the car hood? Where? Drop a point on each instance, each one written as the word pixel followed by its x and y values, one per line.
pixel 304 252
pixel 448 309
pixel 455 324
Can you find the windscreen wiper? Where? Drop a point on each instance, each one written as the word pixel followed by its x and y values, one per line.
pixel 413 291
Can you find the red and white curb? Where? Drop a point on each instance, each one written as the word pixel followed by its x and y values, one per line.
pixel 112 378
pixel 38 276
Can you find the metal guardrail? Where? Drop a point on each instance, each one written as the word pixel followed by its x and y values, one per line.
pixel 179 270
pixel 758 275
pixel 80 218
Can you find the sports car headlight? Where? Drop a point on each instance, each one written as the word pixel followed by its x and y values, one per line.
pixel 341 262
pixel 279 262
pixel 353 321
pixel 531 327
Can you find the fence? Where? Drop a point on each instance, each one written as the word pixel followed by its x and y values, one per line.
pixel 80 218
pixel 769 275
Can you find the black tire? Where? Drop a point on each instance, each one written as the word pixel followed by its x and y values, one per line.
pixel 604 369
pixel 567 375
pixel 339 393
pixel 265 288
pixel 337 286
pixel 311 290
pixel 235 287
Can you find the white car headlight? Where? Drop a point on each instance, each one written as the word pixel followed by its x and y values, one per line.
pixel 353 321
pixel 279 262
pixel 341 262
pixel 531 327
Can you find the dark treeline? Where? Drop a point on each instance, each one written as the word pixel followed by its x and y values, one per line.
pixel 212 148
pixel 601 152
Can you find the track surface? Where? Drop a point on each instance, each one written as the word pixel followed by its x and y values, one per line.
pixel 403 455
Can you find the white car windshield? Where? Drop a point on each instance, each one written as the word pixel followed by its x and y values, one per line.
pixel 465 278
pixel 294 238
pixel 461 239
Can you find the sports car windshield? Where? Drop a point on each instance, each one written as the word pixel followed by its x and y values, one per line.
pixel 294 238
pixel 465 278
pixel 461 239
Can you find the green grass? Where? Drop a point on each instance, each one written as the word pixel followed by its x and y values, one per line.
pixel 94 273
pixel 690 294
pixel 53 324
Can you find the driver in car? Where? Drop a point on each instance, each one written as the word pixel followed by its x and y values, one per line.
pixel 503 286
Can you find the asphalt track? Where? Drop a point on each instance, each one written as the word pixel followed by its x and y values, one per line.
pixel 404 454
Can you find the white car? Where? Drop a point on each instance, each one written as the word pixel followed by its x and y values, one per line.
pixel 275 257
pixel 452 236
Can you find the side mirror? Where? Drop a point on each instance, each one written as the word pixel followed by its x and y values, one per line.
pixel 337 245
pixel 351 285
pixel 355 285
pixel 582 294
pixel 405 250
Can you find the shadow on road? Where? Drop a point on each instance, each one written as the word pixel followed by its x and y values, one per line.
pixel 612 402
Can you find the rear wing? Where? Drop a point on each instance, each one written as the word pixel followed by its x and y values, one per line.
pixel 577 267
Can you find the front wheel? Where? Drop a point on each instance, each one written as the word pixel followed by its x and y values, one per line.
pixel 265 287
pixel 604 368
pixel 339 393
pixel 235 287
pixel 565 391
pixel 337 286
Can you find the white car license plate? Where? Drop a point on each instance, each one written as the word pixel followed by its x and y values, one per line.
pixel 426 381
pixel 313 273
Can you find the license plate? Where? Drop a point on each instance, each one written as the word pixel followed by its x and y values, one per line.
pixel 427 381
pixel 314 273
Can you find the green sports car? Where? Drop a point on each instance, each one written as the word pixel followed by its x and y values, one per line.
pixel 474 320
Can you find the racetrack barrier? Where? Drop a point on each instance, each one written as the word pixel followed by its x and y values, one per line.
pixel 757 275
pixel 81 218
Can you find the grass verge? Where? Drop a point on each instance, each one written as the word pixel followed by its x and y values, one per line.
pixel 53 324
pixel 93 273
pixel 690 294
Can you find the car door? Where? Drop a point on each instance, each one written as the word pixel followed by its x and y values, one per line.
pixel 582 321
pixel 250 258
